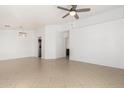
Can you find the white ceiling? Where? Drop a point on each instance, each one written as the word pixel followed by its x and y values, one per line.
pixel 34 16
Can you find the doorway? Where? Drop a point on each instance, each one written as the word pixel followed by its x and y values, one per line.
pixel 39 47
pixel 67 53
pixel 67 50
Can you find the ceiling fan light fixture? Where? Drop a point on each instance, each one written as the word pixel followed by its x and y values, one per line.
pixel 72 13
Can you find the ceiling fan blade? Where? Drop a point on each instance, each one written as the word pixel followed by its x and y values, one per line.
pixel 63 8
pixel 83 10
pixel 76 16
pixel 74 7
pixel 65 15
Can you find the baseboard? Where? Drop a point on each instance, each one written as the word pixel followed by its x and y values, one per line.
pixel 89 62
pixel 14 58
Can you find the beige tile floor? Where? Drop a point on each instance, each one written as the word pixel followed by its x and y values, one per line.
pixel 60 73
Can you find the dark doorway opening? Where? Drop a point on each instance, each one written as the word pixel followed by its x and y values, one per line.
pixel 39 47
pixel 67 53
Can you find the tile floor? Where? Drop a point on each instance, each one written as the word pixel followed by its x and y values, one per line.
pixel 59 73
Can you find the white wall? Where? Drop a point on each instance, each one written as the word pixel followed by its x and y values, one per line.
pixel 12 46
pixel 54 42
pixel 99 44
pixel 67 43
pixel 60 45
pixel 66 38
pixel 50 43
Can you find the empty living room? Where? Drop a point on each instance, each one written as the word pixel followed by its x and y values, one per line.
pixel 62 46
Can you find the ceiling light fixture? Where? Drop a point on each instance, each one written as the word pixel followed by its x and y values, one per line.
pixel 72 13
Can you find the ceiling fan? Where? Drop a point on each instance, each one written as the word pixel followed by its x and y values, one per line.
pixel 73 11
